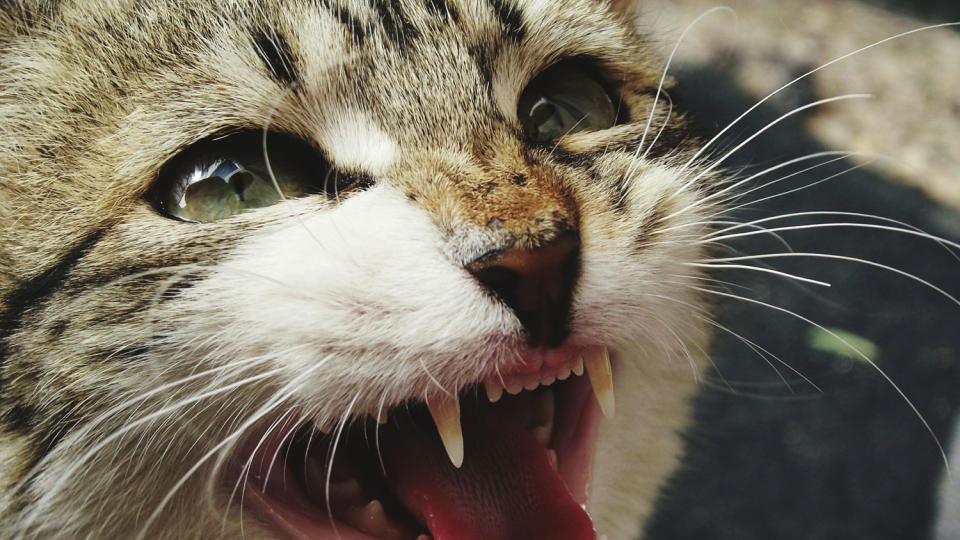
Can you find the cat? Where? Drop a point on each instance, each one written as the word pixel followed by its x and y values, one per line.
pixel 236 236
pixel 346 269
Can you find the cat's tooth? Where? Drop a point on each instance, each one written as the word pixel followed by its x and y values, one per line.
pixel 514 387
pixel 531 384
pixel 547 380
pixel 578 367
pixel 563 374
pixel 552 458
pixel 541 434
pixel 597 361
pixel 314 476
pixel 494 390
pixel 445 411
pixel 371 519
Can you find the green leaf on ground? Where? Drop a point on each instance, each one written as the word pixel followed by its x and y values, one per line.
pixel 821 339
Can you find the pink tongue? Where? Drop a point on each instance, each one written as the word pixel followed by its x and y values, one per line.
pixel 505 490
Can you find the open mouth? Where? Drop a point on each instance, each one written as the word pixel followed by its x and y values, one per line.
pixel 510 458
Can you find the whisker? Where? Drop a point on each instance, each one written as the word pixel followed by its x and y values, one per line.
pixel 796 189
pixel 737 120
pixel 280 398
pixel 905 226
pixel 716 163
pixel 899 230
pixel 333 453
pixel 848 259
pixel 376 434
pixel 852 348
pixel 761 351
pixel 663 77
pixel 841 155
pixel 712 264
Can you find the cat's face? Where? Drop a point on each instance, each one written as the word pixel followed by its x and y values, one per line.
pixel 476 197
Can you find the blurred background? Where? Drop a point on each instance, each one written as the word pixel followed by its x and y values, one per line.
pixel 796 435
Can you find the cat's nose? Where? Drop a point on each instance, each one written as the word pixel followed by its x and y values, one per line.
pixel 536 283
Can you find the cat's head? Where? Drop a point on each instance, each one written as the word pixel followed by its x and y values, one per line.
pixel 476 194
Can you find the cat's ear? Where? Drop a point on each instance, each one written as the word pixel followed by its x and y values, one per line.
pixel 627 8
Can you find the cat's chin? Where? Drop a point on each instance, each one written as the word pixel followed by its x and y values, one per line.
pixel 525 473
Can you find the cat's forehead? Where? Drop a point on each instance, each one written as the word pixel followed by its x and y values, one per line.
pixel 306 66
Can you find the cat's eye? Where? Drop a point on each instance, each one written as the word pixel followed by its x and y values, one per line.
pixel 221 177
pixel 565 99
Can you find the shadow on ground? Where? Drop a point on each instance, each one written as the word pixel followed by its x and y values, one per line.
pixel 770 459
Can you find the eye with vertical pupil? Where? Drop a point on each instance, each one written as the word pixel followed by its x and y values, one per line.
pixel 564 99
pixel 220 177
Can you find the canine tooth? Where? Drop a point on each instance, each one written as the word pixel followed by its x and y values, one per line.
pixel 446 414
pixel 543 409
pixel 578 367
pixel 371 519
pixel 348 490
pixel 315 476
pixel 494 390
pixel 552 456
pixel 541 434
pixel 597 361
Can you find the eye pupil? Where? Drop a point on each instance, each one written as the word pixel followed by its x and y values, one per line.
pixel 240 182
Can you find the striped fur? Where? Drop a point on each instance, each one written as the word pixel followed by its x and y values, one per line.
pixel 133 345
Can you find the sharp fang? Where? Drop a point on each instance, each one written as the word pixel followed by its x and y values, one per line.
pixel 578 367
pixel 494 391
pixel 446 414
pixel 597 361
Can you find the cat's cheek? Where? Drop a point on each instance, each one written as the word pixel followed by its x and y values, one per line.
pixel 344 295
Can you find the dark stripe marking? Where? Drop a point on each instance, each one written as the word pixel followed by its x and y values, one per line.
pixel 37 288
pixel 510 18
pixel 443 9
pixel 346 18
pixel 395 23
pixel 48 441
pixel 275 52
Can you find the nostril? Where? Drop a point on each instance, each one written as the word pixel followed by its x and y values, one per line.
pixel 536 283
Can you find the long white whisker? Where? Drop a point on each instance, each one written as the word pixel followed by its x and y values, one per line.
pixel 738 183
pixel 663 77
pixel 713 264
pixel 716 163
pixel 844 258
pixel 855 350
pixel 281 397
pixel 333 454
pixel 729 126
pixel 909 232
pixel 796 189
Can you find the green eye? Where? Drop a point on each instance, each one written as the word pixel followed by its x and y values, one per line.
pixel 564 99
pixel 219 178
